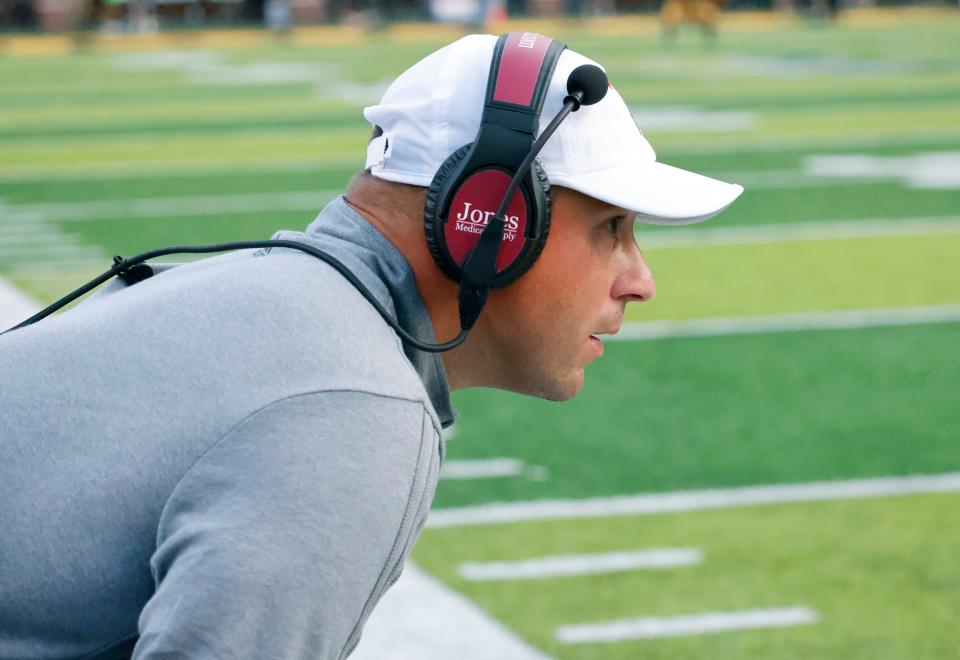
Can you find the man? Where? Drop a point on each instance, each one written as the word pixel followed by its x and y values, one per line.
pixel 233 458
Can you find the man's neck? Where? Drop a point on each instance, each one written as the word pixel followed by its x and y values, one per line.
pixel 438 292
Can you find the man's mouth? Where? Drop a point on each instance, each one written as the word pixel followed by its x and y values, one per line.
pixel 611 330
pixel 595 341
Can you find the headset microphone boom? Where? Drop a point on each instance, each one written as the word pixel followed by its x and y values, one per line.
pixel 586 85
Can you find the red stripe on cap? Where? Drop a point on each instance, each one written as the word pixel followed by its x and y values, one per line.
pixel 519 67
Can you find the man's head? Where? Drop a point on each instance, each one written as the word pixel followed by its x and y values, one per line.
pixel 536 334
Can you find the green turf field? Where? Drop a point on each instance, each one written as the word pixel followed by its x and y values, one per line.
pixel 881 573
pixel 847 140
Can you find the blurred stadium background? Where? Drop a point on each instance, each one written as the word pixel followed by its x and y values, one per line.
pixel 766 466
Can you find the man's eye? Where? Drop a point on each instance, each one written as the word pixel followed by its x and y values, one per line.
pixel 613 224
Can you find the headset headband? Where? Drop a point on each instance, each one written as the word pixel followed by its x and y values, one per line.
pixel 520 74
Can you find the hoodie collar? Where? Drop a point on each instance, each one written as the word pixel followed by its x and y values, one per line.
pixel 347 235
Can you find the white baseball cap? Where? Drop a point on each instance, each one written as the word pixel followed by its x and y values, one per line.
pixel 434 108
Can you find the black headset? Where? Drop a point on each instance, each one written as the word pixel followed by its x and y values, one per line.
pixel 487 211
pixel 471 183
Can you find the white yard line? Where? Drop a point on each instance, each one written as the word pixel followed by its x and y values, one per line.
pixel 488 468
pixel 123 170
pixel 491 468
pixel 804 144
pixel 693 500
pixel 790 179
pixel 739 325
pixel 938 170
pixel 46 251
pixel 23 226
pixel 482 468
pixel 419 618
pixel 687 624
pixel 28 241
pixel 798 231
pixel 168 207
pixel 60 271
pixel 592 564
pixel 26 236
pixel 39 251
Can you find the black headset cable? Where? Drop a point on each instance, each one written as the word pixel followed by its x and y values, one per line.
pixel 123 266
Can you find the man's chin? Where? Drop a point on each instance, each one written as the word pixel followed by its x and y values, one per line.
pixel 543 384
pixel 565 389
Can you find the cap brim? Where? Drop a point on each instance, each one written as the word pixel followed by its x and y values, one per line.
pixel 657 193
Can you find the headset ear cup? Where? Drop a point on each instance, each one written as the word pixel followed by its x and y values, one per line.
pixel 433 226
pixel 433 204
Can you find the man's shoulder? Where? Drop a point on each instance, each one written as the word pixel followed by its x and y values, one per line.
pixel 310 310
pixel 297 294
pixel 282 312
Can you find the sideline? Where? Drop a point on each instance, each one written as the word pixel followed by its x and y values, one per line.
pixel 420 618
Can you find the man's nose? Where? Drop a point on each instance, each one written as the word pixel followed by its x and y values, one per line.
pixel 636 283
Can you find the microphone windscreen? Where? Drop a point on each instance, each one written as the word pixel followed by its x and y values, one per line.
pixel 590 80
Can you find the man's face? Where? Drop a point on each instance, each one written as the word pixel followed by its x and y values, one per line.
pixel 543 328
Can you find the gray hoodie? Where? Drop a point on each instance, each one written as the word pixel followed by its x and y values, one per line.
pixel 230 459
